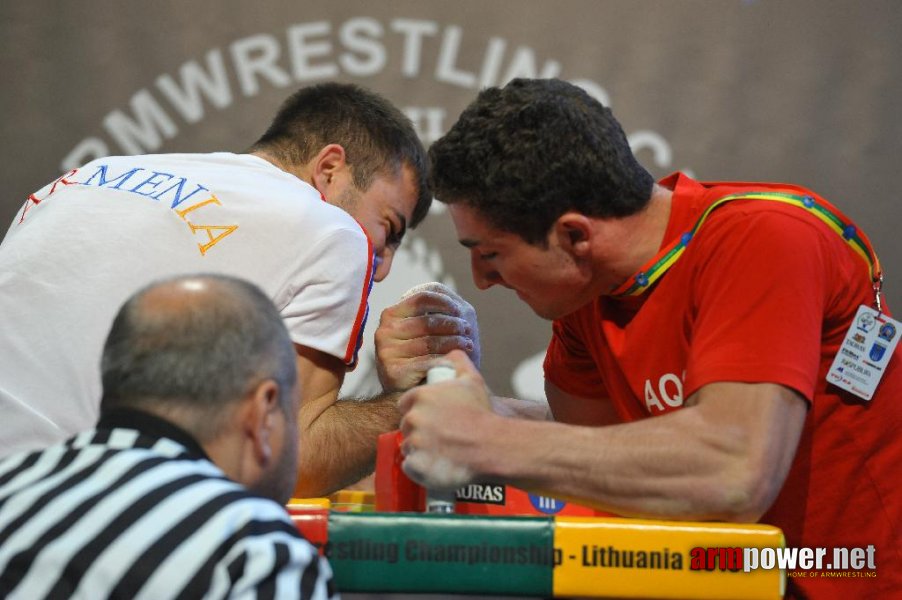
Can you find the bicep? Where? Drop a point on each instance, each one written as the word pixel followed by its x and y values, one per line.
pixel 578 410
pixel 760 423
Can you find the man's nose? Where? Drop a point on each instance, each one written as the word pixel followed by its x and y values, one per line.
pixel 483 277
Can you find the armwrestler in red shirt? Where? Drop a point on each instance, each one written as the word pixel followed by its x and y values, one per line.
pixel 725 346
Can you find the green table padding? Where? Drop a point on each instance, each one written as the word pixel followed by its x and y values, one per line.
pixel 402 552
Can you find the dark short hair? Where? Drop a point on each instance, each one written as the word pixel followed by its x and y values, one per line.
pixel 377 137
pixel 200 358
pixel 525 154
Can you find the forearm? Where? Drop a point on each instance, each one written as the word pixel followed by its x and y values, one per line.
pixel 642 469
pixel 723 456
pixel 339 447
pixel 722 459
pixel 666 466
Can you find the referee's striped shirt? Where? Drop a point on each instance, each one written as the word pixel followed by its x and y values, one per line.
pixel 134 509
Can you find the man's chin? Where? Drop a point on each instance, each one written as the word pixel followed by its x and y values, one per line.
pixel 545 312
pixel 551 313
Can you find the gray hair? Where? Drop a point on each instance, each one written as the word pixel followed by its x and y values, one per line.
pixel 193 345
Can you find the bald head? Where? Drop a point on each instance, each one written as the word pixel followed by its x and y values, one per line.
pixel 192 346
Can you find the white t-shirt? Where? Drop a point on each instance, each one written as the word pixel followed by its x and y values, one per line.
pixel 80 246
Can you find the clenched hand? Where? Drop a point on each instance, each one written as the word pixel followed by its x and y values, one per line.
pixel 442 424
pixel 429 321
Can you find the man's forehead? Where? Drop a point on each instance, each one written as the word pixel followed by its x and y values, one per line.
pixel 468 214
pixel 472 227
pixel 400 188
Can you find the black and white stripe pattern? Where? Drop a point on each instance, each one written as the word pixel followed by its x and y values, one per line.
pixel 113 513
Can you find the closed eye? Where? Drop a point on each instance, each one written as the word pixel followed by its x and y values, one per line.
pixel 393 240
pixel 395 235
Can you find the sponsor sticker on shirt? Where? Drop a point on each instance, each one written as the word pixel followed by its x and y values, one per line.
pixel 865 352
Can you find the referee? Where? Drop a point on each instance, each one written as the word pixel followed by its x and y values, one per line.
pixel 178 490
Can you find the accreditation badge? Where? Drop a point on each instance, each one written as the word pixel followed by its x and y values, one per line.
pixel 865 352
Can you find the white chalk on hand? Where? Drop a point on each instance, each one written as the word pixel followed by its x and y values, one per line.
pixel 432 286
pixel 440 373
pixel 463 308
pixel 439 476
pixel 442 501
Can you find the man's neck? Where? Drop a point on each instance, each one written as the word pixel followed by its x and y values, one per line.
pixel 653 226
pixel 636 239
pixel 301 172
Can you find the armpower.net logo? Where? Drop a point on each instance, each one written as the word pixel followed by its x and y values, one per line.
pixel 797 562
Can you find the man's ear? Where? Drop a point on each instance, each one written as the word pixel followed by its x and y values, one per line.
pixel 574 233
pixel 326 164
pixel 259 419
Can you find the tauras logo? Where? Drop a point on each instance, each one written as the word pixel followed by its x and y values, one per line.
pixel 481 493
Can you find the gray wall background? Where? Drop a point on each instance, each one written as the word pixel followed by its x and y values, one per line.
pixel 759 90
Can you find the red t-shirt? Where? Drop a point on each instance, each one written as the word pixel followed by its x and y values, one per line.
pixel 764 292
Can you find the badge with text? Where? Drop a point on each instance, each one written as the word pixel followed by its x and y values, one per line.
pixel 865 352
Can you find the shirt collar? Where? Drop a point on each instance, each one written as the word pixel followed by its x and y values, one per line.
pixel 151 426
